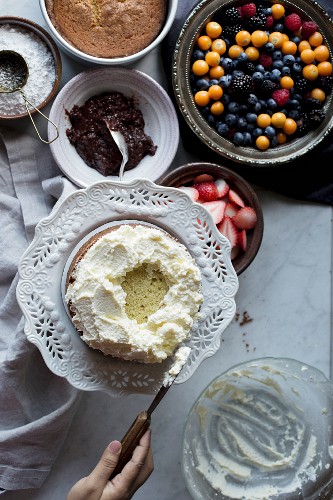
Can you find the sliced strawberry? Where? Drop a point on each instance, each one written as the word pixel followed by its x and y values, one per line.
pixel 242 239
pixel 222 187
pixel 207 191
pixel 231 209
pixel 245 218
pixel 235 198
pixel 234 252
pixel 229 230
pixel 191 191
pixel 216 209
pixel 203 178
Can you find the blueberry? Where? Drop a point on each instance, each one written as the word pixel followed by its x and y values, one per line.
pixel 223 129
pixel 225 99
pixel 288 60
pixel 242 109
pixel 205 111
pixel 237 72
pixel 275 75
pixel 257 131
pixel 263 104
pixel 298 97
pixel 225 81
pixel 269 132
pixel 295 39
pixel 238 138
pixel 257 77
pixel 267 75
pixel 260 68
pixel 285 71
pixel 247 139
pixel 294 114
pixel 241 123
pixel 198 54
pixel 227 63
pixel 294 103
pixel 297 68
pixel 279 27
pixel 267 11
pixel 277 64
pixel 213 81
pixel 274 141
pixel 202 84
pixel 230 119
pixel 269 48
pixel 251 117
pixel 277 55
pixel 271 104
pixel 211 119
pixel 242 57
pixel 257 107
pixel 252 99
pixel 233 107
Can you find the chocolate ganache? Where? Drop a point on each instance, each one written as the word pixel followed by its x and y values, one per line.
pixel 92 140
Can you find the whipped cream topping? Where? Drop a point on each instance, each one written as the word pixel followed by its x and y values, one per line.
pixel 97 299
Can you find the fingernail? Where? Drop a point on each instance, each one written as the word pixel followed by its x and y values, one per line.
pixel 114 446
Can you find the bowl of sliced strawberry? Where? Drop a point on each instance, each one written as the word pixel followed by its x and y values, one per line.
pixel 230 200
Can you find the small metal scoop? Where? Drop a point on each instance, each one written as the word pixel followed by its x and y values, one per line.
pixel 119 139
pixel 14 74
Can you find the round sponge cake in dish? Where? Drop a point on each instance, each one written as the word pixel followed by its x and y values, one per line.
pixel 108 28
pixel 133 292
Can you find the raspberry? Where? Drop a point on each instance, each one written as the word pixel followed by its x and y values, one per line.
pixel 308 28
pixel 248 10
pixel 265 60
pixel 293 22
pixel 269 21
pixel 281 96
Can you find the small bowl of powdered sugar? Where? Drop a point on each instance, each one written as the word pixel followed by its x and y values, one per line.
pixel 43 60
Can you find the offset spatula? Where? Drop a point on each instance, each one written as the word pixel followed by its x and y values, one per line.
pixel 137 430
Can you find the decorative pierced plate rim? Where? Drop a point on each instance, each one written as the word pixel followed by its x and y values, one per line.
pixel 42 266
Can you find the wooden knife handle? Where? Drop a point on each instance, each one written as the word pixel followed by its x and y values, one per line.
pixel 131 440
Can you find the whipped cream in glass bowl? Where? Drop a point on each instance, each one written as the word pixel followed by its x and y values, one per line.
pixel 261 431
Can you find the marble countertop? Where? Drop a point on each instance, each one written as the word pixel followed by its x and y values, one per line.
pixel 286 293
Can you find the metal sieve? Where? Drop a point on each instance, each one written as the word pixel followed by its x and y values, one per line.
pixel 14 74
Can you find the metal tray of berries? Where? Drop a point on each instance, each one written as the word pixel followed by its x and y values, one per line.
pixel 253 80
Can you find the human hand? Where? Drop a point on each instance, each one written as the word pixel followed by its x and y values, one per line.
pixel 97 485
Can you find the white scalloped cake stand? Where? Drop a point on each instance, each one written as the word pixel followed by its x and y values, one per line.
pixel 39 289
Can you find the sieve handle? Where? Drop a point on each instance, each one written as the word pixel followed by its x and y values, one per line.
pixel 26 102
pixel 131 440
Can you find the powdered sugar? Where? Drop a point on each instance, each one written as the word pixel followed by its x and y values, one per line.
pixel 42 72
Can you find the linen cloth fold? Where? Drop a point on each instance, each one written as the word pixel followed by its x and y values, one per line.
pixel 308 178
pixel 36 406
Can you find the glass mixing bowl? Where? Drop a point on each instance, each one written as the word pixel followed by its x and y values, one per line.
pixel 261 430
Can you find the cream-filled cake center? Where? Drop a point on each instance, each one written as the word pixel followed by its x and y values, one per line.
pixel 145 289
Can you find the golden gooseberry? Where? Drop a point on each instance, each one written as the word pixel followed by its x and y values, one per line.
pixel 289 47
pixel 243 38
pixel 215 92
pixel 212 58
pixel 289 127
pixel 200 67
pixel 303 44
pixel 318 94
pixel 277 11
pixel 252 53
pixel 286 82
pixel 263 120
pixel 213 29
pixel 281 137
pixel 307 56
pixel 310 72
pixel 201 98
pixel 259 38
pixel 217 108
pixel 216 72
pixel 262 142
pixel 219 46
pixel 324 68
pixel 316 39
pixel 234 51
pixel 321 53
pixel 204 42
pixel 276 39
pixel 278 119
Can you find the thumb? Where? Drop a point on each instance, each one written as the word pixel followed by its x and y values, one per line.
pixel 101 473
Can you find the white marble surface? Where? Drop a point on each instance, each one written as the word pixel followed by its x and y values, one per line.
pixel 286 291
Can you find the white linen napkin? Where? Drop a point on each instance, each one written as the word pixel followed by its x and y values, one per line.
pixel 36 406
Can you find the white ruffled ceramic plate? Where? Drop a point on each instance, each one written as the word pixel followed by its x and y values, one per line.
pixel 161 122
pixel 42 267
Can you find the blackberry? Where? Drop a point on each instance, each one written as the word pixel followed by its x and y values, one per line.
pixel 310 103
pixel 231 16
pixel 241 87
pixel 316 116
pixel 326 83
pixel 266 88
pixel 257 22
pixel 301 84
pixel 303 124
pixel 250 68
pixel 230 31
